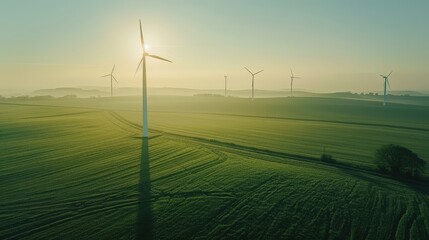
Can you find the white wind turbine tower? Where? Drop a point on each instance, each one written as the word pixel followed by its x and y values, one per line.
pixel 386 82
pixel 144 89
pixel 253 81
pixel 226 78
pixel 111 80
pixel 292 77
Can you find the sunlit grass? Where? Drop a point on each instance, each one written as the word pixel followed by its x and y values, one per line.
pixel 75 171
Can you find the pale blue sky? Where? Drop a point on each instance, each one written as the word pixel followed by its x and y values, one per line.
pixel 333 45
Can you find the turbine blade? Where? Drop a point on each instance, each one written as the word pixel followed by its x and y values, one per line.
pixel 248 70
pixel 114 79
pixel 140 63
pixel 108 75
pixel 158 57
pixel 297 77
pixel 390 73
pixel 382 76
pixel 388 84
pixel 113 68
pixel 141 34
pixel 259 72
pixel 291 72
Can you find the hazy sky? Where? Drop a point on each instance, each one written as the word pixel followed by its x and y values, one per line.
pixel 333 45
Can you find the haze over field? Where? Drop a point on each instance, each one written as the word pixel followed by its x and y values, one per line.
pixel 274 119
pixel 214 168
pixel 333 45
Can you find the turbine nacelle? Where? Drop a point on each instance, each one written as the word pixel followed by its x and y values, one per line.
pixel 111 79
pixel 386 78
pixel 111 74
pixel 253 74
pixel 253 80
pixel 292 76
pixel 155 56
pixel 146 54
pixel 386 83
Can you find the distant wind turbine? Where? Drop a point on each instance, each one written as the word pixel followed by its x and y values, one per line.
pixel 386 82
pixel 111 80
pixel 144 90
pixel 226 78
pixel 253 81
pixel 292 77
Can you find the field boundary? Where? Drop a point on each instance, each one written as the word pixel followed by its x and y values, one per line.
pixel 231 147
pixel 305 120
pixel 239 115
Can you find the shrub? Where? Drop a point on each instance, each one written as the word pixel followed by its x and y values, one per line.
pixel 46 97
pixel 399 161
pixel 327 158
pixel 70 96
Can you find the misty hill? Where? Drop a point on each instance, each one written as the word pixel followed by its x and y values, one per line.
pixel 409 97
pixel 129 91
pixel 79 92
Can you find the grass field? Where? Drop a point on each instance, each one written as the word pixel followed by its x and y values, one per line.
pixel 213 168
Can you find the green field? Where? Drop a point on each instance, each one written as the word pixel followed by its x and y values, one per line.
pixel 213 168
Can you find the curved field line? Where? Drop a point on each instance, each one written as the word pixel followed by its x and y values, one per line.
pixel 232 146
pixel 227 146
pixel 221 157
pixel 248 116
pixel 305 120
pixel 247 148
pixel 125 121
pixel 47 105
pixel 60 115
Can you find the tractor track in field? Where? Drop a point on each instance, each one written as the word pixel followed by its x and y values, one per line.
pixel 281 156
pixel 206 141
pixel 221 146
pixel 120 122
pixel 304 120
pixel 124 121
pixel 237 115
pixel 220 156
pixel 110 201
pixel 69 210
pixel 61 115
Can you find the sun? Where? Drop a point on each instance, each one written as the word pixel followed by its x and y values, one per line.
pixel 146 47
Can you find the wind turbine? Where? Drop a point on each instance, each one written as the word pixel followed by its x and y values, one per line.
pixel 111 80
pixel 144 90
pixel 292 77
pixel 253 81
pixel 386 82
pixel 226 78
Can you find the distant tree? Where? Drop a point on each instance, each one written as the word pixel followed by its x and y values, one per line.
pixel 327 158
pixel 208 95
pixel 70 96
pixel 399 160
pixel 46 97
pixel 19 98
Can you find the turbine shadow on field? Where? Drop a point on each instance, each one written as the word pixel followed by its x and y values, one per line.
pixel 144 225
